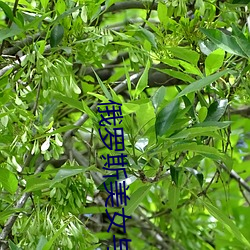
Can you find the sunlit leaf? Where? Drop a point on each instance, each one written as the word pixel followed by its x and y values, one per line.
pixel 173 196
pixel 8 180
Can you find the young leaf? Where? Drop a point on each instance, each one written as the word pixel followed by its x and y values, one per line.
pixel 8 180
pixel 214 61
pixel 162 12
pixel 202 114
pixel 143 81
pixel 166 117
pixel 186 54
pixel 104 89
pixel 197 85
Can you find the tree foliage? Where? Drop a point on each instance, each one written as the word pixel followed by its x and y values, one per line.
pixel 180 69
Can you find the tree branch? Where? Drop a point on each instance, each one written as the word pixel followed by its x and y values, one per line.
pixel 21 44
pixel 236 177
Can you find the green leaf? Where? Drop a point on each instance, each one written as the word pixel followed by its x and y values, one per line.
pixel 68 12
pixel 214 61
pixel 189 68
pixel 70 101
pixel 49 244
pixel 198 175
pixel 177 74
pixel 166 117
pixel 44 3
pixel 9 211
pixel 202 114
pixel 36 184
pixel 197 85
pixel 143 81
pixel 223 41
pixel 9 32
pixel 135 200
pixel 56 35
pixel 194 161
pixel 186 54
pixel 8 180
pixel 66 172
pixel 174 172
pixel 227 223
pixel 13 246
pixel 173 196
pixel 244 45
pixel 158 97
pixel 147 35
pixel 162 12
pixel 216 110
pixel 104 89
pixel 7 10
pixel 219 125
pixel 193 132
pixel 41 243
pixel 49 110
